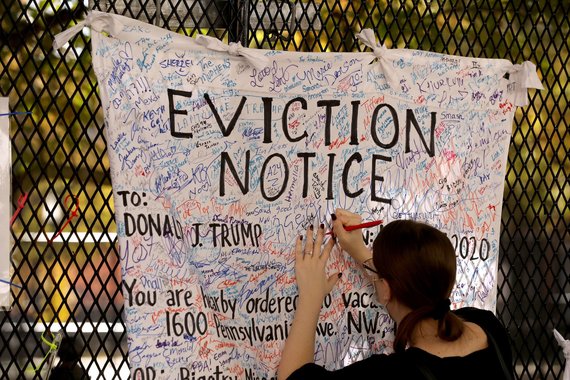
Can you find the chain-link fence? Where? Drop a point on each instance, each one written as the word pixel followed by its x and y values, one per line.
pixel 65 260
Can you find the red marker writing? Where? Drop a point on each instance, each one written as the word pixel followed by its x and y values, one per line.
pixel 373 223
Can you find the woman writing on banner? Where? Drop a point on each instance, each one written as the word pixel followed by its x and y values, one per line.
pixel 413 269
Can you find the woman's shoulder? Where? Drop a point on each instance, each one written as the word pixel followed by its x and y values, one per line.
pixel 481 317
pixel 484 319
pixel 492 326
pixel 389 365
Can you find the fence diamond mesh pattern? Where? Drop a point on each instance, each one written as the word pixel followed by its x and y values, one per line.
pixel 66 274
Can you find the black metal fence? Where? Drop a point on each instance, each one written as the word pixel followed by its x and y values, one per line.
pixel 66 275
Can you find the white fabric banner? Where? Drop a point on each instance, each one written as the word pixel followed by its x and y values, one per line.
pixel 222 155
pixel 5 204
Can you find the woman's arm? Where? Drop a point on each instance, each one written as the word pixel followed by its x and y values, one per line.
pixel 300 344
pixel 313 285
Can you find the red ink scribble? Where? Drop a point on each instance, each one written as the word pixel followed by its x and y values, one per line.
pixel 253 278
pixel 469 222
pixel 220 345
pixel 338 142
pixel 294 124
pixel 440 129
pixel 227 283
pixel 21 202
pixel 140 171
pixel 485 228
pixel 237 210
pixel 506 106
pixel 156 315
pixel 204 352
pixel 285 280
pixel 449 155
pixel 73 214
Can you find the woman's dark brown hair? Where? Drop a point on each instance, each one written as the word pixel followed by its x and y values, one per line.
pixel 418 261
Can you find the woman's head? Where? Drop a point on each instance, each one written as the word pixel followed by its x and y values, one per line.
pixel 418 262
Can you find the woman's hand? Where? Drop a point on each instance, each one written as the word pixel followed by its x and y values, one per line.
pixel 310 264
pixel 310 269
pixel 352 241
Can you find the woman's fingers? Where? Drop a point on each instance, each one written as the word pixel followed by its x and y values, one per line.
pixel 299 248
pixel 351 242
pixel 347 218
pixel 313 244
pixel 311 255
pixel 319 241
pixel 343 218
pixel 309 244
pixel 327 250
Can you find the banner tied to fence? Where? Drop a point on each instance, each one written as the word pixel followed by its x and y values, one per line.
pixel 221 156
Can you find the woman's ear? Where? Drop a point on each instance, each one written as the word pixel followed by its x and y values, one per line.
pixel 388 291
pixel 383 291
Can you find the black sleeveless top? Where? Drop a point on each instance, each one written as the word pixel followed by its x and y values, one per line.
pixel 482 364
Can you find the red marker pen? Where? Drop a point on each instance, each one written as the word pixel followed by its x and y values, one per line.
pixel 373 223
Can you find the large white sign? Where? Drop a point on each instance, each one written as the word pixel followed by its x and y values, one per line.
pixel 221 156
